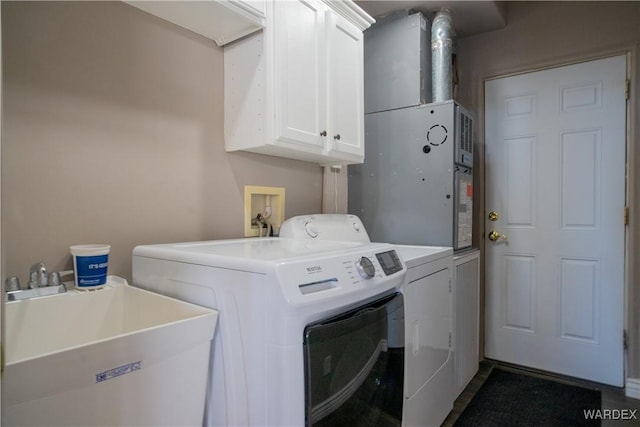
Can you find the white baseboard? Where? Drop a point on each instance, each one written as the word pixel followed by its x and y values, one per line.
pixel 632 388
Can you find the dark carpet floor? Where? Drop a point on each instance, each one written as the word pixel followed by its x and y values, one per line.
pixel 509 399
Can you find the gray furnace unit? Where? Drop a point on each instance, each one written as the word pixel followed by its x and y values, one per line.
pixel 415 186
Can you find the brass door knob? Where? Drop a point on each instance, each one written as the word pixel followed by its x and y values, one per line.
pixel 495 236
pixel 493 216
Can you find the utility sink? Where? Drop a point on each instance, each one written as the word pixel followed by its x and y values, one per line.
pixel 119 355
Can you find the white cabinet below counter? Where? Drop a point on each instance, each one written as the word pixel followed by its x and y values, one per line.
pixel 295 89
pixel 467 318
pixel 220 20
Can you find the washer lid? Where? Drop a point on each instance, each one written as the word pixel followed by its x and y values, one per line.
pixel 248 254
pixel 266 249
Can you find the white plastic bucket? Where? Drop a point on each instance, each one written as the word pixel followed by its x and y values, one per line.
pixel 90 264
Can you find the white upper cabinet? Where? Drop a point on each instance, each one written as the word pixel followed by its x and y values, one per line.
pixel 296 89
pixel 299 71
pixel 345 95
pixel 222 21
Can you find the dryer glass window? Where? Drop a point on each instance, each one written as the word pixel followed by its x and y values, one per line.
pixel 352 376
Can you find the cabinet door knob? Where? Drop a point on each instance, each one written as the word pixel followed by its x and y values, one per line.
pixel 337 136
pixel 323 133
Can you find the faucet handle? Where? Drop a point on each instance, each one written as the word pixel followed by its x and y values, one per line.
pixel 12 284
pixel 33 279
pixel 54 278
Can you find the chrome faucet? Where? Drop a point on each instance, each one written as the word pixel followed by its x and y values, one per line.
pixel 40 284
pixel 38 275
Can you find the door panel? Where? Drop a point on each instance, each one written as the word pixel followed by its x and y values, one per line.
pixel 520 180
pixel 555 173
pixel 579 287
pixel 518 292
pixel 580 179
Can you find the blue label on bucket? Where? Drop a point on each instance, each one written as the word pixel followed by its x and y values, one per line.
pixel 91 270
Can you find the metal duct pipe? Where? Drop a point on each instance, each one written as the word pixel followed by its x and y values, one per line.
pixel 442 33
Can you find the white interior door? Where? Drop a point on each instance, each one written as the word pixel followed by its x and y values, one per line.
pixel 555 175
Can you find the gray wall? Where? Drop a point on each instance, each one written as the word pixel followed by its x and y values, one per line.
pixel 543 34
pixel 113 133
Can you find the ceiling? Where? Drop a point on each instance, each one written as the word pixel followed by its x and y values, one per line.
pixel 469 17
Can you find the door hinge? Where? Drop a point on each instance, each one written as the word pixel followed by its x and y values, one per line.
pixel 450 339
pixel 627 89
pixel 449 285
pixel 625 343
pixel 625 215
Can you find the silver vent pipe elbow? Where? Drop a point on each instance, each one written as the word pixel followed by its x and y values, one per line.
pixel 442 34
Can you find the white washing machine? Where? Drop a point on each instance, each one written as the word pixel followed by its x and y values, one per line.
pixel 426 329
pixel 302 330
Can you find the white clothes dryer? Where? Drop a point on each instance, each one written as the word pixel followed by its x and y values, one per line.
pixel 428 292
pixel 424 330
pixel 291 311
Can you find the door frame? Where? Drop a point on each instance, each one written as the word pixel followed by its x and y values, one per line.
pixel 630 172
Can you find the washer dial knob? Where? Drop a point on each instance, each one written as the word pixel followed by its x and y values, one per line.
pixel 311 229
pixel 365 268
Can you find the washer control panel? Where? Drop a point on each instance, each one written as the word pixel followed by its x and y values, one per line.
pixel 390 262
pixel 342 274
pixel 337 227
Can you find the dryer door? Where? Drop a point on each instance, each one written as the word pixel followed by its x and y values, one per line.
pixel 352 377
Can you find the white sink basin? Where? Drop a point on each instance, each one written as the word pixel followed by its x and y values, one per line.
pixel 114 356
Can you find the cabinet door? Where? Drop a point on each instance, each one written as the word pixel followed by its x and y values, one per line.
pixel 300 103
pixel 345 88
pixel 467 285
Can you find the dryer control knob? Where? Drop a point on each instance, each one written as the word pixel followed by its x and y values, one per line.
pixel 365 268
